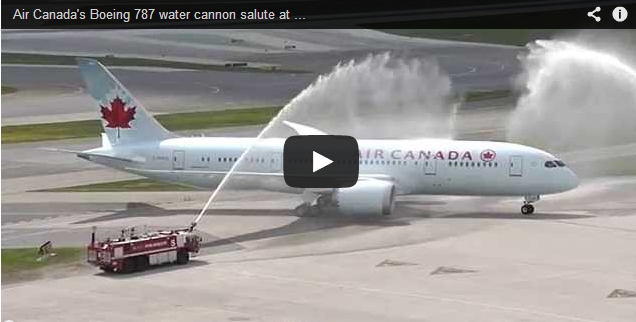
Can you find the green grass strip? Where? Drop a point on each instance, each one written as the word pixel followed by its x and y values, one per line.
pixel 110 60
pixel 20 260
pixel 173 122
pixel 124 186
pixel 488 95
pixel 8 89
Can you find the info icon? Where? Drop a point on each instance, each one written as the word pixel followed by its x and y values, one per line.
pixel 321 161
pixel 619 14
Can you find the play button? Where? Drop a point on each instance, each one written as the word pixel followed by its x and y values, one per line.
pixel 320 161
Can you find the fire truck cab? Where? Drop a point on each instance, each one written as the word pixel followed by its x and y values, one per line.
pixel 136 253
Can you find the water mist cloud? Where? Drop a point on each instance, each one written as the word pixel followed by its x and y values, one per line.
pixel 378 97
pixel 575 97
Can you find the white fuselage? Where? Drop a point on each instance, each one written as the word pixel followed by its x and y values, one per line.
pixel 424 166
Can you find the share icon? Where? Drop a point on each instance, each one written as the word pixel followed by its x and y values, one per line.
pixel 593 12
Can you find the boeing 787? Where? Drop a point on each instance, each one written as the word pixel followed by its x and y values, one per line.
pixel 133 141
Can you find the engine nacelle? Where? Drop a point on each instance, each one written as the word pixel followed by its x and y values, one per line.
pixel 366 198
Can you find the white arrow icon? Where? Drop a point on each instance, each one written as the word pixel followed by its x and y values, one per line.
pixel 319 161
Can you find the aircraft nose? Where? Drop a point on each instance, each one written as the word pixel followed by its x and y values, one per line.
pixel 571 180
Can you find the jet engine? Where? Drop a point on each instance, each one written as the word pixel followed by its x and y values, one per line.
pixel 366 198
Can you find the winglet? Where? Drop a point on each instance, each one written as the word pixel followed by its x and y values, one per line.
pixel 304 129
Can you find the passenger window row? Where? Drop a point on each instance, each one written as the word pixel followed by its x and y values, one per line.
pixel 473 164
pixel 401 162
pixel 361 162
pixel 256 160
pixel 307 161
pixel 234 159
pixel 384 162
pixel 549 164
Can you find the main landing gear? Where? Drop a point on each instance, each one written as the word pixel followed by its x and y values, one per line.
pixel 315 207
pixel 305 209
pixel 528 208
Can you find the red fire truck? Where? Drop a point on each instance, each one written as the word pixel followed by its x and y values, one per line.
pixel 138 252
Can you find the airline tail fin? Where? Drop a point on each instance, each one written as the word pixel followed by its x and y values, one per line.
pixel 123 118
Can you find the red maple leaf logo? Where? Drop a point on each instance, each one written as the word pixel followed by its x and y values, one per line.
pixel 488 155
pixel 118 116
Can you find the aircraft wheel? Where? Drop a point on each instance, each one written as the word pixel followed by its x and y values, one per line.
pixel 303 209
pixel 527 209
pixel 323 201
pixel 315 210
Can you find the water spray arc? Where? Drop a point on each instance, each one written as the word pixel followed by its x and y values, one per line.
pixel 379 96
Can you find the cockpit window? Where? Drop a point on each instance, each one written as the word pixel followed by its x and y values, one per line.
pixel 550 164
pixel 559 163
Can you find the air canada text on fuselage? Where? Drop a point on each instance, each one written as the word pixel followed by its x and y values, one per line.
pixel 398 154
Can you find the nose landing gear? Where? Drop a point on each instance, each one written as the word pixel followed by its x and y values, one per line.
pixel 528 208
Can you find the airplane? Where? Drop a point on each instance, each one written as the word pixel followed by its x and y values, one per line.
pixel 133 141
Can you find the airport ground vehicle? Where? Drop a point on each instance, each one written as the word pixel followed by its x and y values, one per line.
pixel 138 252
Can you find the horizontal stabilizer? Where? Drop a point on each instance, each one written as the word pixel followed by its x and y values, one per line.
pixel 87 155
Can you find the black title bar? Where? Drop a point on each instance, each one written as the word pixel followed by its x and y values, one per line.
pixel 563 14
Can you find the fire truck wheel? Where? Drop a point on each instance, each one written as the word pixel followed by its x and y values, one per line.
pixel 142 263
pixel 130 265
pixel 183 257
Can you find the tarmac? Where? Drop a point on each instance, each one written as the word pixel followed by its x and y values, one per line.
pixel 437 258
